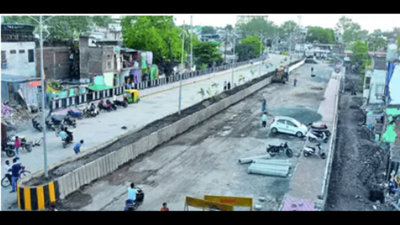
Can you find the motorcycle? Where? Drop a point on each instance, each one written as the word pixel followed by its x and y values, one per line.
pixel 316 136
pixel 10 146
pixel 121 103
pixel 101 106
pixel 108 102
pixel 307 151
pixel 69 121
pixel 277 149
pixel 68 140
pixel 75 114
pixel 319 128
pixel 56 124
pixel 5 182
pixel 37 125
pixel 87 112
pixel 133 205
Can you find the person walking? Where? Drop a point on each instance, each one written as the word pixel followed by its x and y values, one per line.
pixel 77 147
pixel 17 145
pixel 164 207
pixel 264 106
pixel 225 87
pixel 264 120
pixel 15 173
pixel 229 85
pixel 294 82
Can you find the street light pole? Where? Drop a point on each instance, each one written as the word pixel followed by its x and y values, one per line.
pixel 259 73
pixel 191 43
pixel 234 56
pixel 46 173
pixel 180 80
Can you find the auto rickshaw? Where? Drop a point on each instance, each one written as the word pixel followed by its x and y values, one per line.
pixel 131 96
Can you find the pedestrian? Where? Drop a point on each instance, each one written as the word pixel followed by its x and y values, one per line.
pixel 225 86
pixel 312 70
pixel 264 119
pixel 229 85
pixel 7 167
pixel 17 145
pixel 287 73
pixel 15 173
pixel 164 207
pixel 294 82
pixel 77 147
pixel 264 106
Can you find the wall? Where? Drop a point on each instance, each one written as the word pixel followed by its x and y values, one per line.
pixel 56 62
pixel 377 77
pixel 394 86
pixel 17 64
pixel 108 59
pixel 90 59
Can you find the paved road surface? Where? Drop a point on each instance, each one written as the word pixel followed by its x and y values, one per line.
pixel 107 125
pixel 203 161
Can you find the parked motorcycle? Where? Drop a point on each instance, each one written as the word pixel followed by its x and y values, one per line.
pixel 112 105
pixel 37 125
pixel 132 206
pixel 317 136
pixel 75 114
pixel 69 121
pixel 10 146
pixel 319 128
pixel 121 103
pixel 307 151
pixel 56 124
pixel 90 111
pixel 104 107
pixel 277 149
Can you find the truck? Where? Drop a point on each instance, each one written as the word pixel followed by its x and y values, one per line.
pixel 279 75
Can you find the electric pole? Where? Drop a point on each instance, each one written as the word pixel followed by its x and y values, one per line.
pixel 183 66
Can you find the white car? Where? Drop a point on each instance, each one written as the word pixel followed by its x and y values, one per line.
pixel 283 124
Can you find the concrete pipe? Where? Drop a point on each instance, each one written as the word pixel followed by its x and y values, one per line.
pixel 271 167
pixel 250 159
pixel 267 172
pixel 271 162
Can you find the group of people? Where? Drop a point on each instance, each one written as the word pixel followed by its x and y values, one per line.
pixel 132 191
pixel 13 173
pixel 66 136
pixel 227 86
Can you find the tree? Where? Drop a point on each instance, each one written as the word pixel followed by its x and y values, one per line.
pixel 157 34
pixel 288 27
pixel 207 30
pixel 207 53
pixel 228 27
pixel 245 51
pixel 350 30
pixel 258 26
pixel 360 57
pixel 253 41
pixel 321 35
pixel 376 44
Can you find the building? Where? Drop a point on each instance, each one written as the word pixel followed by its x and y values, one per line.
pixel 248 18
pixel 57 60
pixel 374 81
pixel 18 50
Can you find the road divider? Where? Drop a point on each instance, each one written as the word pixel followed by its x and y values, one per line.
pixel 37 198
pixel 72 180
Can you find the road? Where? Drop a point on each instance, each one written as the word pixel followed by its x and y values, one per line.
pixel 106 126
pixel 203 161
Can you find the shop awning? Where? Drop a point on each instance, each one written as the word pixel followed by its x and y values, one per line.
pixel 97 87
pixel 35 83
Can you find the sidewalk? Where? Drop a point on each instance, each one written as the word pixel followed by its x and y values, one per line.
pixel 308 179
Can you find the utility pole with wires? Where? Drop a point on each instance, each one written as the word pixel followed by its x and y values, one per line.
pixel 180 80
pixel 46 173
pixel 191 43
pixel 261 54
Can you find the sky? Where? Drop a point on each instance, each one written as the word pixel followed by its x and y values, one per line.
pixel 370 22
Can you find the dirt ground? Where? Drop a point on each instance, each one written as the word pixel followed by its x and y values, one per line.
pixel 359 164
pixel 203 161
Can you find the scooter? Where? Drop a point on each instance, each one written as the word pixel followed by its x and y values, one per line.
pixel 75 114
pixel 101 106
pixel 132 206
pixel 277 149
pixel 37 125
pixel 307 151
pixel 317 136
pixel 319 128
pixel 69 121
pixel 121 103
pixel 108 102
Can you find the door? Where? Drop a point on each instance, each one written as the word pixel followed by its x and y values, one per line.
pixel 291 127
pixel 281 126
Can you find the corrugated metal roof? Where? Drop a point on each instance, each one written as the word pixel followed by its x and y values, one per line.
pixel 14 78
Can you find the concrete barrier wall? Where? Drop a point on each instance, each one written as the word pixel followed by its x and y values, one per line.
pixel 37 198
pixel 99 168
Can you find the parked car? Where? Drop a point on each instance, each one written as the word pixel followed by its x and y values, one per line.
pixel 288 125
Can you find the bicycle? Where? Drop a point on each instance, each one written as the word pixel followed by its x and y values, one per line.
pixel 6 183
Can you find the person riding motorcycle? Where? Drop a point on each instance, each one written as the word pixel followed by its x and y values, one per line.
pixel 63 135
pixel 69 137
pixel 92 108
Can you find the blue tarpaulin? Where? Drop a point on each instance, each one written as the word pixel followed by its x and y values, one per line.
pixel 389 74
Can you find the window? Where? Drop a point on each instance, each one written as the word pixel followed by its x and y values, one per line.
pixel 13 52
pixel 281 121
pixel 290 123
pixel 30 56
pixel 367 82
pixel 21 51
pixel 109 65
pixel 3 56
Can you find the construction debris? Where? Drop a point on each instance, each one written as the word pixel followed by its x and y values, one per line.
pixel 273 170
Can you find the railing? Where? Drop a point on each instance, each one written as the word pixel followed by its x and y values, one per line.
pixel 97 95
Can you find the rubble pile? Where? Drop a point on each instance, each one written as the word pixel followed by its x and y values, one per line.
pixel 17 118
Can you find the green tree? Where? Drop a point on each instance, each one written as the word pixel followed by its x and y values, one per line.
pixel 207 53
pixel 360 57
pixel 157 34
pixel 321 35
pixel 288 27
pixel 253 41
pixel 258 26
pixel 207 30
pixel 245 51
pixel 376 44
pixel 350 30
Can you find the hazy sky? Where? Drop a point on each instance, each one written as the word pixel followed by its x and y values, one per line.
pixel 368 22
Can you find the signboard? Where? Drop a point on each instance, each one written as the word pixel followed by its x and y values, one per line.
pixel 233 201
pixel 200 203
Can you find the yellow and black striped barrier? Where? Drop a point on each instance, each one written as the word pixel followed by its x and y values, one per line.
pixel 37 198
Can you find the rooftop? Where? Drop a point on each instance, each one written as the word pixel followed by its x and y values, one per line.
pixel 379 63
